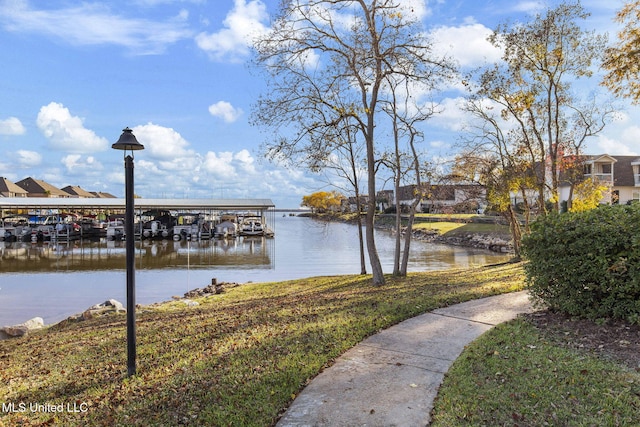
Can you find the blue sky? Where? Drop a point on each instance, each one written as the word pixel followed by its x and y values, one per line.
pixel 74 74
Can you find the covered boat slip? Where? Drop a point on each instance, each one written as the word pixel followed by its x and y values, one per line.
pixel 210 208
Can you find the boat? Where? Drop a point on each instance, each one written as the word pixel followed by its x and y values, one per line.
pixel 156 230
pixel 253 226
pixel 227 227
pixel 15 229
pixel 43 233
pixel 67 231
pixel 91 227
pixel 159 227
pixel 115 230
pixel 187 227
pixel 207 229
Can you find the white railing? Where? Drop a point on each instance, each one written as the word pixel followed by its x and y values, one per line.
pixel 603 177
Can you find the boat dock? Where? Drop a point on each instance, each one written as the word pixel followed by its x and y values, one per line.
pixel 155 218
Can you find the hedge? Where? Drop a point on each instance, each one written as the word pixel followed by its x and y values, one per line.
pixel 587 264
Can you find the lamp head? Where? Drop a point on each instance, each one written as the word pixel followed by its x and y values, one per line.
pixel 127 141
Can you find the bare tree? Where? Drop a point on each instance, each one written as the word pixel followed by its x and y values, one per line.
pixel 329 59
pixel 490 158
pixel 406 114
pixel 343 157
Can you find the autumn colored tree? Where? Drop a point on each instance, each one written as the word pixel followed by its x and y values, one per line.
pixel 490 158
pixel 323 201
pixel 621 60
pixel 533 89
pixel 587 195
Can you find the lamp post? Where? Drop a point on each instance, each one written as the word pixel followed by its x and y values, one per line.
pixel 128 142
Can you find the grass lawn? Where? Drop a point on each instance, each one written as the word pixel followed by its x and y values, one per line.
pixel 513 375
pixel 240 358
pixel 445 228
pixel 237 359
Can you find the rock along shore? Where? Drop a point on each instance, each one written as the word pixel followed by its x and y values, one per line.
pixel 491 241
pixel 109 307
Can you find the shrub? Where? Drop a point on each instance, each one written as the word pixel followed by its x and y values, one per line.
pixel 587 264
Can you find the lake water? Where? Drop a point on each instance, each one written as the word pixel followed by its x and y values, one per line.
pixel 54 281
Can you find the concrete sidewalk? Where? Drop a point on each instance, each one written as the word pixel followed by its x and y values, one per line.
pixel 392 378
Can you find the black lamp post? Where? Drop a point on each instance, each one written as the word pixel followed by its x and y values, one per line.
pixel 128 142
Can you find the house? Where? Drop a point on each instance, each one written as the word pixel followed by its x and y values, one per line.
pixel 444 198
pixel 384 199
pixel 76 191
pixel 37 188
pixel 10 189
pixel 409 194
pixel 103 195
pixel 620 173
pixel 349 204
pixel 455 198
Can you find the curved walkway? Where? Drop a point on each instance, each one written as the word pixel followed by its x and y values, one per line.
pixel 392 378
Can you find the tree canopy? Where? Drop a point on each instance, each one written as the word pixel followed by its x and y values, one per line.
pixel 323 201
pixel 622 60
pixel 544 119
pixel 328 63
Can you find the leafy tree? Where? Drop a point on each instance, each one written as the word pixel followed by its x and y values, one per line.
pixel 323 201
pixel 587 196
pixel 621 61
pixel 329 60
pixel 533 88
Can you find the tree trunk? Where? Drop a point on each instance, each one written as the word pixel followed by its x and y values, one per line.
pixel 407 240
pixel 516 232
pixel 363 264
pixel 374 259
pixel 398 225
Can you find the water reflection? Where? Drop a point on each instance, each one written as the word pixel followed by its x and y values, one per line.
pixel 85 255
pixel 56 280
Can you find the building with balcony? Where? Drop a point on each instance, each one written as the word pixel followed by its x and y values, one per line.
pixel 620 173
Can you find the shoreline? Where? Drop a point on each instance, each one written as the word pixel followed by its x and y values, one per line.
pixel 470 240
pixel 495 242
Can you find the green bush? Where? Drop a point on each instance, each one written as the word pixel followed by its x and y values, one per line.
pixel 587 264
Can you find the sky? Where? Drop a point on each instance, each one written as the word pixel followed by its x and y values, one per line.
pixel 75 74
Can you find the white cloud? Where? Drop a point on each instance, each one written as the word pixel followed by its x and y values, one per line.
pixel 66 132
pixel 631 136
pixel 245 161
pixel 612 146
pixel 242 23
pixel 76 164
pixel 220 165
pixel 452 116
pixel 27 159
pixel 94 24
pixel 467 44
pixel 225 111
pixel 162 142
pixel 11 126
pixel 416 8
